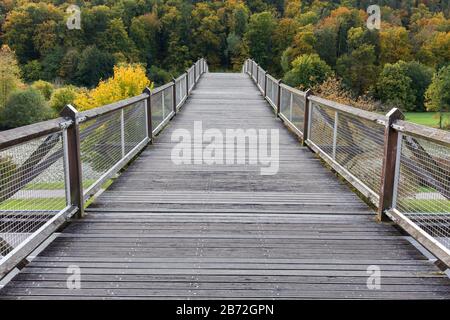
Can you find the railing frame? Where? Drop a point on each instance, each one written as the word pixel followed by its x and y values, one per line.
pixel 395 126
pixel 68 126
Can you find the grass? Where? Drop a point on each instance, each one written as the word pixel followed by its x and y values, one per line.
pixel 426 206
pixel 44 204
pixel 430 119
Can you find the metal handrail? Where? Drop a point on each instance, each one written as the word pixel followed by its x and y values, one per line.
pixel 70 140
pixel 401 156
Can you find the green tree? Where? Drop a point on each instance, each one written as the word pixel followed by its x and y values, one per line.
pixel 421 77
pixel 23 108
pixel 438 94
pixel 394 88
pixel 93 66
pixel 259 37
pixel 307 71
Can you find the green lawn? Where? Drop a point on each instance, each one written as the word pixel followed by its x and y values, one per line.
pixel 430 119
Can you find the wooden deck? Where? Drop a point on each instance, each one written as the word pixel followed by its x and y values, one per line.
pixel 199 231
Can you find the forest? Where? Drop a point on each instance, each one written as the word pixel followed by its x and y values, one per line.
pixel 122 46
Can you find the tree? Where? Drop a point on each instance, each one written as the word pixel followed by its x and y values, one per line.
pixel 259 37
pixel 62 97
pixel 9 74
pixel 438 94
pixel 33 29
pixel 307 71
pixel 394 88
pixel 421 77
pixel 31 71
pixel 128 81
pixel 93 66
pixel 24 107
pixel 115 40
pixel 144 31
pixel 394 45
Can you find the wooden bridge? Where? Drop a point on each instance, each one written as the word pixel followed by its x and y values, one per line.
pixel 205 231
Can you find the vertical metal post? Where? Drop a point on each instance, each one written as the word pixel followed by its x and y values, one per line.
pixel 122 132
pixel 66 166
pixel 74 160
pixel 290 106
pixel 390 159
pixel 265 84
pixel 195 73
pixel 279 98
pixel 163 104
pixel 306 117
pixel 257 75
pixel 397 170
pixel 335 133
pixel 148 104
pixel 174 96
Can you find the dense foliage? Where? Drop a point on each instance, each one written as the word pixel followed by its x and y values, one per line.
pixel 301 41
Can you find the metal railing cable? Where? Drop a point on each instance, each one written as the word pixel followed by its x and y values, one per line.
pixel 49 170
pixel 401 168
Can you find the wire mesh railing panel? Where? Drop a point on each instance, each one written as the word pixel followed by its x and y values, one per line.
pixel 32 188
pixel 168 103
pixel 297 112
pixel 100 146
pixel 285 102
pixel 423 186
pixel 134 125
pixel 359 149
pixel 272 92
pixel 157 109
pixel 322 128
pixel 261 78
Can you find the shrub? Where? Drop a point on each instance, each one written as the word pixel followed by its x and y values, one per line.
pixel 62 97
pixel 307 71
pixel 23 108
pixel 44 87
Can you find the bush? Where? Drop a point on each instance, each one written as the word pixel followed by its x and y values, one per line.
pixel 307 71
pixel 44 87
pixel 62 97
pixel 32 71
pixel 23 108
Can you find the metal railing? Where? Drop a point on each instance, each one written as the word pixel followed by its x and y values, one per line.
pixel 49 170
pixel 401 168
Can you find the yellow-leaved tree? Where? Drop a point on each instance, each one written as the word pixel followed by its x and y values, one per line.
pixel 129 80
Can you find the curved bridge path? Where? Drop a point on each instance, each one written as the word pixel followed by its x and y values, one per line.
pixel 226 231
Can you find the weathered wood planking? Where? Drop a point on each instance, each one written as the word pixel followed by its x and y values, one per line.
pixel 225 231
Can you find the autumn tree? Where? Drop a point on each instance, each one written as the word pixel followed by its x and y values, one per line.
pixel 9 74
pixel 128 81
